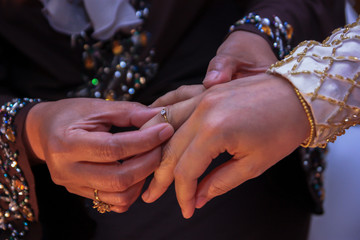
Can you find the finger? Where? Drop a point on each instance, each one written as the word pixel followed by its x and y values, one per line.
pixel 222 179
pixel 192 164
pixel 116 199
pixel 172 152
pixel 119 209
pixel 181 94
pixel 163 177
pixel 122 113
pixel 108 147
pixel 175 114
pixel 114 177
pixel 220 70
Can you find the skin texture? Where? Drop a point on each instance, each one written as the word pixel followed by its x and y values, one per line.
pixel 223 118
pixel 72 137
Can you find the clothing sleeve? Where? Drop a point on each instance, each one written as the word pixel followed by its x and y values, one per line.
pixel 310 19
pixel 18 203
pixel 327 75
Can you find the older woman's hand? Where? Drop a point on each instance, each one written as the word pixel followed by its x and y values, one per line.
pixel 72 136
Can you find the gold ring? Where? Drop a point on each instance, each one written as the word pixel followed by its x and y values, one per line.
pixel 100 206
pixel 163 114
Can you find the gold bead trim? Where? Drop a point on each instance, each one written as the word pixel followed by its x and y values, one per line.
pixel 310 118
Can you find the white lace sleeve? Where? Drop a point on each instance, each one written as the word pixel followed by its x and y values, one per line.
pixel 328 77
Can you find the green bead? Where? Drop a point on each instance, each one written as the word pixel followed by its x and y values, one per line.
pixel 95 81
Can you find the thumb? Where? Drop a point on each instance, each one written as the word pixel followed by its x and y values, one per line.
pixel 220 70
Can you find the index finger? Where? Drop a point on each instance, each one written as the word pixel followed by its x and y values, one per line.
pixel 108 147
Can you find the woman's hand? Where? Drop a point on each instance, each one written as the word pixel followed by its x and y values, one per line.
pixel 241 54
pixel 259 120
pixel 72 137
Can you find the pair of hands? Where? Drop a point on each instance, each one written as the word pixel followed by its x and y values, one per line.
pixel 72 135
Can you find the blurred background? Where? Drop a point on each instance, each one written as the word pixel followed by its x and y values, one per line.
pixel 341 220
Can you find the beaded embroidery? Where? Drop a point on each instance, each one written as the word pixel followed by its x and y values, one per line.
pixel 311 80
pixel 316 77
pixel 14 190
pixel 280 33
pixel 116 69
pixel 313 163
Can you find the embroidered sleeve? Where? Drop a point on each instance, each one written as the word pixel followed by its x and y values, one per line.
pixel 15 208
pixel 328 77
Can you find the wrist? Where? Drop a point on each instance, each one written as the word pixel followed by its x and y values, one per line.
pixel 278 33
pixel 304 125
pixel 32 133
pixel 259 46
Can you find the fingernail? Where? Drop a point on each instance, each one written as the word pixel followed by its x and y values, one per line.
pixel 212 75
pixel 166 133
pixel 200 202
pixel 145 196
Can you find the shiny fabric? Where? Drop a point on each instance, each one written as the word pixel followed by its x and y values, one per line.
pixel 106 17
pixel 328 77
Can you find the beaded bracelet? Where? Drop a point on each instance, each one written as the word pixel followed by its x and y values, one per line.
pixel 310 118
pixel 14 191
pixel 279 33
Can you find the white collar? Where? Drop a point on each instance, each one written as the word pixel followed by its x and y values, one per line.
pixel 106 17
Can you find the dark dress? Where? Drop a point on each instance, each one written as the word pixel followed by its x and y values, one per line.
pixel 38 62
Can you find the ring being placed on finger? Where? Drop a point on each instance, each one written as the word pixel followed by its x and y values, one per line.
pixel 100 206
pixel 163 114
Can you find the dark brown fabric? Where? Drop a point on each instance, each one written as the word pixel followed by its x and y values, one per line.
pixel 357 6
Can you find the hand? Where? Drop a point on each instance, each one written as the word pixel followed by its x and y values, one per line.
pixel 259 120
pixel 72 137
pixel 242 54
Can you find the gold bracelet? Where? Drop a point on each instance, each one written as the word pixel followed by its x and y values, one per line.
pixel 310 118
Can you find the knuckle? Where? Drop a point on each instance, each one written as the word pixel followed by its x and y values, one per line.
pixel 180 174
pixel 57 178
pixel 255 172
pixel 111 151
pixel 122 201
pixel 119 183
pixel 250 170
pixel 219 60
pixel 209 100
pixel 181 91
pixel 218 187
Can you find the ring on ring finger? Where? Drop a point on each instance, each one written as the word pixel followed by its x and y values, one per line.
pixel 164 115
pixel 99 205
